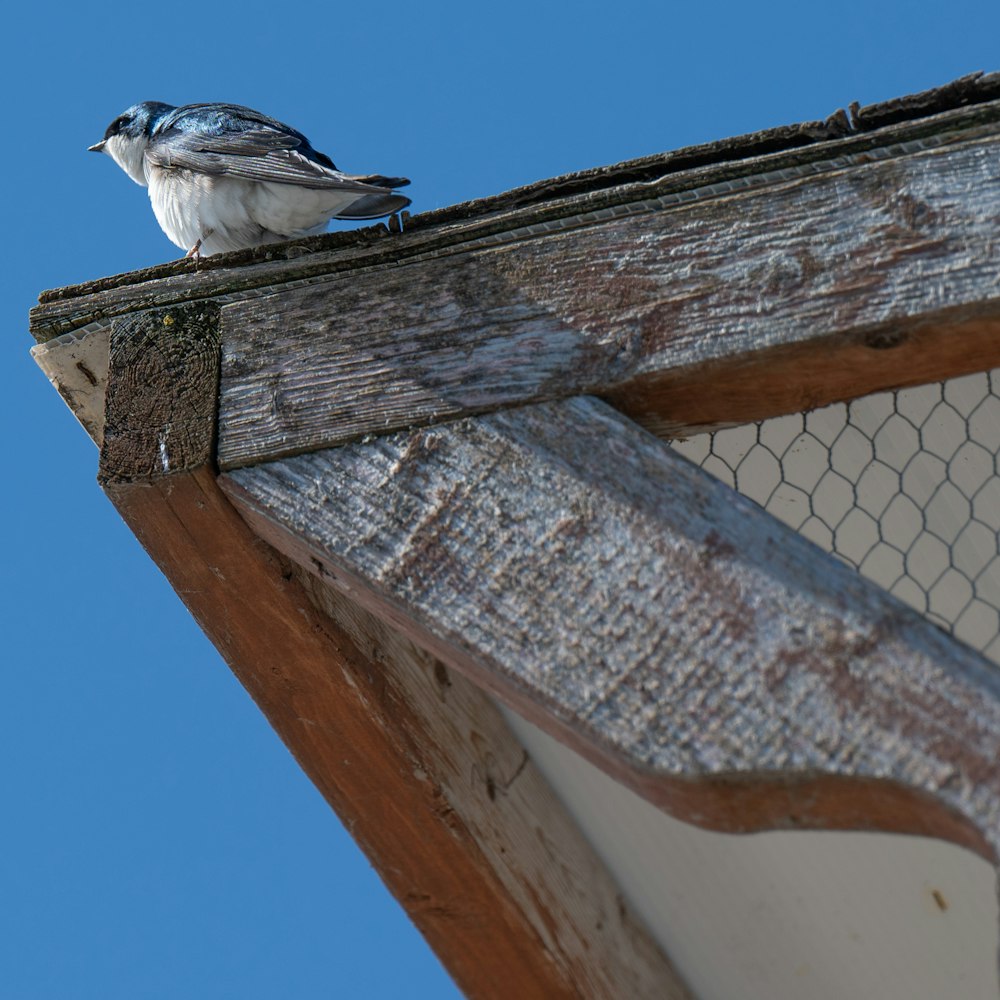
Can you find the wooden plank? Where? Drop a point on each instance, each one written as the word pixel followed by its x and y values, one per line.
pixel 722 310
pixel 418 763
pixel 656 621
pixel 685 174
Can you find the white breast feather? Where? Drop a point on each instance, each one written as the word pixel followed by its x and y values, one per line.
pixel 294 210
pixel 229 213
pixel 129 154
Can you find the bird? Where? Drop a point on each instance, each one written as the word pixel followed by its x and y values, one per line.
pixel 225 177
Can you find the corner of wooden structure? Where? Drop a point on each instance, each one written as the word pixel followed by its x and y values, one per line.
pixel 409 755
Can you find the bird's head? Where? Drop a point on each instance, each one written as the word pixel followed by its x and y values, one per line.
pixel 126 138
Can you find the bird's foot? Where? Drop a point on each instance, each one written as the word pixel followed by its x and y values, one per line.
pixel 195 251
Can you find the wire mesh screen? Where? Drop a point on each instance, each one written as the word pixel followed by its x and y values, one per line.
pixel 904 486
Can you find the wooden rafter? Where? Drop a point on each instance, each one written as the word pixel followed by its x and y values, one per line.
pixel 417 761
pixel 620 598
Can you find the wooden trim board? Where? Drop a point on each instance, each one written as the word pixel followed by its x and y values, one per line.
pixel 725 309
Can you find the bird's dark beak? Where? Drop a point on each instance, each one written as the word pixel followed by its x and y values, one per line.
pixel 98 147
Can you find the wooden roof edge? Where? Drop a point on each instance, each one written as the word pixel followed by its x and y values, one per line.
pixel 698 330
pixel 864 124
pixel 260 271
pixel 974 88
pixel 687 314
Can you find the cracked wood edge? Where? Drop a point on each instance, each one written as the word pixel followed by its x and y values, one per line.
pixel 662 625
pixel 418 763
pixel 718 311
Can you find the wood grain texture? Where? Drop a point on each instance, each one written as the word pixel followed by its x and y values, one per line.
pixel 460 743
pixel 161 403
pixel 722 310
pixel 684 174
pixel 661 624
pixel 416 761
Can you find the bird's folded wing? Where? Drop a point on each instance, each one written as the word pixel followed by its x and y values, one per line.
pixel 257 155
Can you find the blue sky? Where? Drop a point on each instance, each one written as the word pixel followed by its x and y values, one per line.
pixel 157 839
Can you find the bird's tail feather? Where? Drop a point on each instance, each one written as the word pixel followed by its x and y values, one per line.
pixel 377 180
pixel 374 206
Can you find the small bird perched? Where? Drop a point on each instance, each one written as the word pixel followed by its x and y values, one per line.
pixel 224 177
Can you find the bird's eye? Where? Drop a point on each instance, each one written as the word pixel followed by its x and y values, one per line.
pixel 116 126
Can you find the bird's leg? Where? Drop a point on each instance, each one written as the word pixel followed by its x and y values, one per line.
pixel 195 251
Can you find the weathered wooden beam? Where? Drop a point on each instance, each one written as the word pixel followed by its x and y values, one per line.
pixel 646 614
pixel 728 308
pixel 418 763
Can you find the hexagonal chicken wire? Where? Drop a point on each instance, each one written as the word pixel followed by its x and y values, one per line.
pixel 904 486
